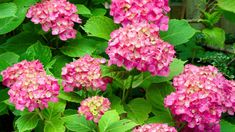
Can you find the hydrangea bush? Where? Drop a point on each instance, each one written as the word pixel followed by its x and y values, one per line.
pixel 113 66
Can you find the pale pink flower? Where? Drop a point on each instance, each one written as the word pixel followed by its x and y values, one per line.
pixel 94 107
pixel 56 15
pixel 136 11
pixel 29 85
pixel 139 46
pixel 84 73
pixel 154 128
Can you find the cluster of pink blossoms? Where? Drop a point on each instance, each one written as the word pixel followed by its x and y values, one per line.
pixel 29 85
pixel 84 73
pixel 94 107
pixel 57 15
pixel 138 11
pixel 155 128
pixel 139 46
pixel 202 95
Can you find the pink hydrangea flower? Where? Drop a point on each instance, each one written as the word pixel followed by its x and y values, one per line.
pixel 155 128
pixel 199 97
pixel 139 46
pixel 29 85
pixel 57 15
pixel 229 102
pixel 135 11
pixel 94 107
pixel 11 74
pixel 84 73
pixel 214 128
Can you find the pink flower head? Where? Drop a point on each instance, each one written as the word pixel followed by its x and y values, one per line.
pixel 11 74
pixel 136 11
pixel 84 73
pixel 139 46
pixel 94 107
pixel 57 15
pixel 155 128
pixel 199 97
pixel 29 85
pixel 229 102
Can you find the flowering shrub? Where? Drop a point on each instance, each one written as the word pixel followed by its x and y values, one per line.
pixel 139 46
pixel 93 108
pixel 84 72
pixel 57 15
pixel 29 85
pixel 138 11
pixel 116 66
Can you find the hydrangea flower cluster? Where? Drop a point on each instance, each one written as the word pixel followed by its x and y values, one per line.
pixel 57 15
pixel 84 73
pixel 202 95
pixel 94 107
pixel 136 11
pixel 155 128
pixel 29 85
pixel 139 46
pixel 229 103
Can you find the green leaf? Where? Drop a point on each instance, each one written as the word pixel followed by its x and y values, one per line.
pixel 138 80
pixel 4 94
pixel 211 18
pixel 3 108
pixel 81 47
pixel 83 10
pixel 7 10
pixel 98 1
pixel 229 16
pixel 214 37
pixel 10 23
pixel 107 119
pixel 27 121
pixel 179 32
pixel 190 50
pixel 71 97
pixel 227 126
pixel 161 117
pixel 54 125
pixel 120 76
pixel 10 57
pixel 69 112
pixel 60 62
pixel 3 66
pixel 155 95
pixel 20 42
pixel 40 52
pixel 54 110
pixel 136 111
pixel 99 12
pixel 78 123
pixel 100 26
pixel 228 5
pixel 116 104
pixel 176 67
pixel 121 126
pixel 7 59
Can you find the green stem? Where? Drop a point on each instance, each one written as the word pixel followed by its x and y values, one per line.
pixel 40 114
pixel 123 95
pixel 126 92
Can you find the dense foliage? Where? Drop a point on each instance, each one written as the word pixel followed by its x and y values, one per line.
pixel 115 66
